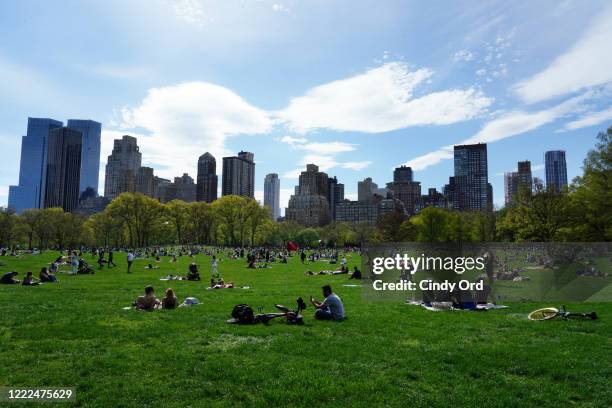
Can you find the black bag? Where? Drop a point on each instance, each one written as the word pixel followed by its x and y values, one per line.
pixel 243 314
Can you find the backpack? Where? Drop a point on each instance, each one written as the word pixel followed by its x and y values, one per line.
pixel 243 314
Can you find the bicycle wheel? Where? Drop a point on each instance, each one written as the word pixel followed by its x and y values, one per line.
pixel 543 314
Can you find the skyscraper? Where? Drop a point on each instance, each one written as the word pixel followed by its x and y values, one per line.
pixel 309 205
pixel 63 173
pixel 366 189
pixel 29 193
pixel 122 167
pixel 405 189
pixel 272 194
pixel 185 188
pixel 471 191
pixel 518 182
pixel 335 195
pixel 90 152
pixel 556 170
pixel 239 175
pixel 145 183
pixel 402 174
pixel 207 178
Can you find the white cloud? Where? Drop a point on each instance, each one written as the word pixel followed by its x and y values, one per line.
pixel 280 8
pixel 188 119
pixel 381 100
pixel 505 126
pixel 587 63
pixel 537 167
pixel 293 140
pixel 590 119
pixel 325 163
pixel 463 55
pixel 189 11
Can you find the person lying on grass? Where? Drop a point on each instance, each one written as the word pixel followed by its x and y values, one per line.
pixel 29 280
pixel 220 284
pixel 331 308
pixel 194 273
pixel 46 276
pixel 9 278
pixel 148 301
pixel 169 301
pixel 342 271
pixel 150 266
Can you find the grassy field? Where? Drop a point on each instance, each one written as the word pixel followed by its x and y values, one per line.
pixel 76 334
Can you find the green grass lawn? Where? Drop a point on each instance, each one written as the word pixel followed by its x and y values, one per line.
pixel 76 334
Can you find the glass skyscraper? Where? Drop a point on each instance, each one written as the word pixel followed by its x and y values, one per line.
pixel 30 192
pixel 556 170
pixel 90 154
pixel 471 180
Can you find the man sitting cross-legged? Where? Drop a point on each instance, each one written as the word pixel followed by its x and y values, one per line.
pixel 331 308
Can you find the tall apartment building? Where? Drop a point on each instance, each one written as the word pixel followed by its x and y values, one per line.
pixel 206 189
pixel 272 194
pixel 145 181
pixel 63 171
pixel 185 188
pixel 471 190
pixel 335 195
pixel 405 189
pixel 238 176
pixel 519 181
pixel 309 206
pixel 556 170
pixel 122 167
pixel 91 132
pixel 29 192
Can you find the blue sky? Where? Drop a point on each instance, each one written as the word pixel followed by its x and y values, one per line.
pixel 357 87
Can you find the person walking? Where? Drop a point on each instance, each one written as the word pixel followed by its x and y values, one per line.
pixel 110 258
pixel 130 261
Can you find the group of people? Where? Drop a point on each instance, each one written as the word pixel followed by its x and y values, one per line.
pixel 10 278
pixel 149 301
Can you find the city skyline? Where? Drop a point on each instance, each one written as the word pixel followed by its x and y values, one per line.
pixel 496 75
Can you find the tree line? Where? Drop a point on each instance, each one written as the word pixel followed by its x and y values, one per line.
pixel 581 212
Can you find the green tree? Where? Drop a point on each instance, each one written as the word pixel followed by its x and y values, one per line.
pixel 433 225
pixel 140 215
pixel 177 212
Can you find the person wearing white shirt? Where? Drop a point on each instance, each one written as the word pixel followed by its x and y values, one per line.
pixel 130 261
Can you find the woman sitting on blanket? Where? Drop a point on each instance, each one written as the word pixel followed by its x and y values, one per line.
pixel 29 280
pixel 169 301
pixel 46 276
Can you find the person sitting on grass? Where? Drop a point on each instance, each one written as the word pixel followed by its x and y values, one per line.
pixel 194 273
pixel 169 301
pixel 83 268
pixel 331 308
pixel 356 274
pixel 9 278
pixel 151 266
pixel 46 276
pixel 173 259
pixel 148 301
pixel 29 280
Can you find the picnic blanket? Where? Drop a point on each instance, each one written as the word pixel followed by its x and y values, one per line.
pixel 441 306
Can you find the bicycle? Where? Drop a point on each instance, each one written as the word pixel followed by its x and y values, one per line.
pixel 548 313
